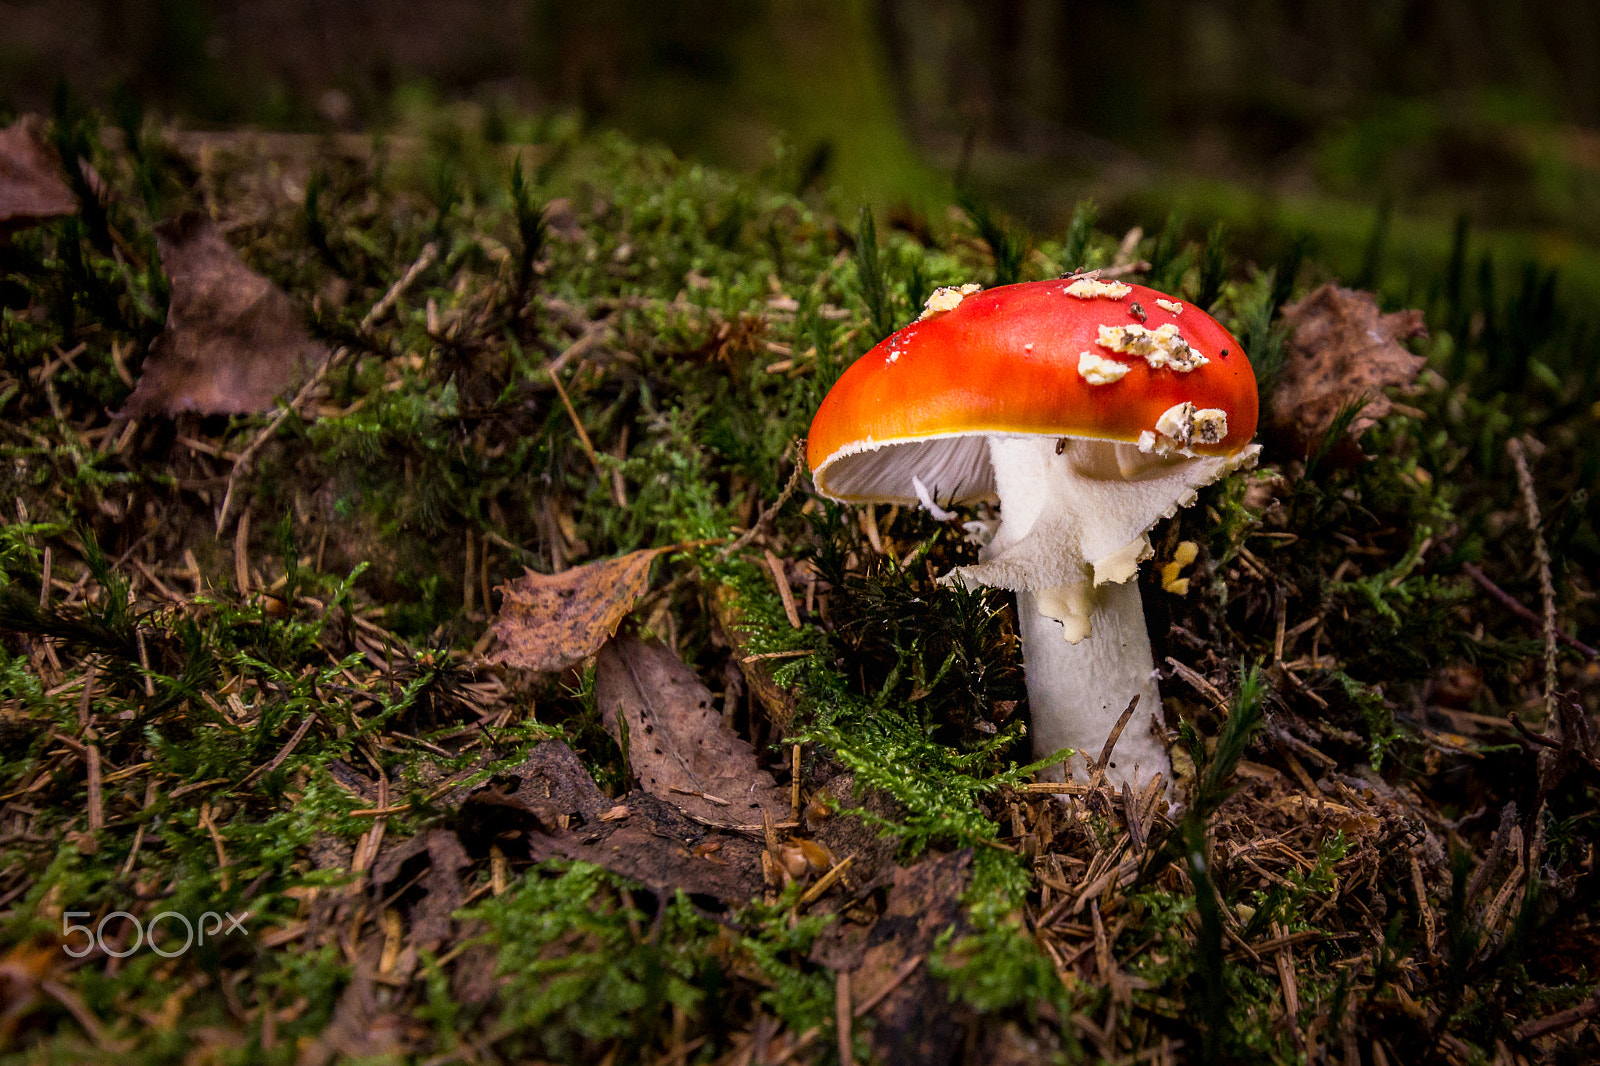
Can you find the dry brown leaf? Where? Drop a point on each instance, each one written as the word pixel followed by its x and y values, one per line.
pixel 551 621
pixel 676 742
pixel 31 186
pixel 915 1023
pixel 1340 347
pixel 656 844
pixel 438 857
pixel 661 848
pixel 233 341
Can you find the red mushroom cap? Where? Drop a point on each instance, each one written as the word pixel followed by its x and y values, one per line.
pixel 1006 362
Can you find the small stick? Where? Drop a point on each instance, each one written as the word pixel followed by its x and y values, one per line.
pixel 619 485
pixel 367 850
pixel 97 808
pixel 1103 965
pixel 1283 618
pixel 1051 788
pixel 380 812
pixel 144 662
pixel 1559 1020
pixel 205 818
pixel 759 656
pixel 138 835
pixel 842 1018
pixel 1192 676
pixel 825 882
pixel 766 515
pixel 906 969
pixel 769 833
pixel 1421 890
pixel 86 700
pixel 1125 250
pixel 79 1010
pixel 577 423
pixel 277 760
pixel 1512 604
pixel 430 252
pixel 1541 552
pixel 241 552
pixel 794 780
pixel 785 593
pixel 1116 733
pixel 1291 988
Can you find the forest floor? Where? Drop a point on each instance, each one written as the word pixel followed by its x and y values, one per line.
pixel 332 464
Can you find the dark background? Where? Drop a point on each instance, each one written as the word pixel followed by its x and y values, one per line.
pixel 1277 117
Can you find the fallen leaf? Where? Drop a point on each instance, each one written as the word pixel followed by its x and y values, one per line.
pixel 551 621
pixel 31 186
pixel 233 341
pixel 914 1020
pixel 552 784
pixel 656 845
pixel 441 855
pixel 1340 347
pixel 661 848
pixel 676 742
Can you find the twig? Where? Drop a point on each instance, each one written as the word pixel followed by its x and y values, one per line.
pixel 842 1018
pixel 1516 607
pixel 1051 788
pixel 379 812
pixel 1559 1020
pixel 1541 552
pixel 277 760
pixel 207 819
pixel 860 1010
pixel 906 969
pixel 1116 734
pixel 97 809
pixel 241 552
pixel 825 882
pixel 246 459
pixel 138 836
pixel 785 593
pixel 430 252
pixel 1189 674
pixel 766 515
pixel 761 656
pixel 577 423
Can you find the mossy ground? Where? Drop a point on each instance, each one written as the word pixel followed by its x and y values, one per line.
pixel 1375 865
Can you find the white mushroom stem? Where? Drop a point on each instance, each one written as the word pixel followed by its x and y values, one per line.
pixel 1076 692
pixel 1073 521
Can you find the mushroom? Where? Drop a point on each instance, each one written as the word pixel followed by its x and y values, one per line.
pixel 1089 410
